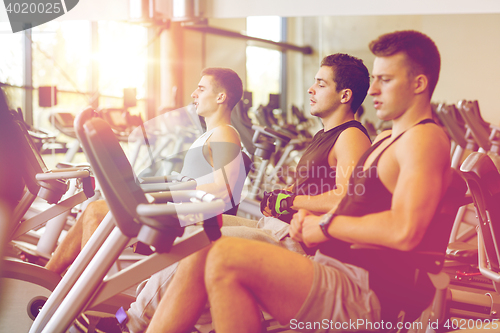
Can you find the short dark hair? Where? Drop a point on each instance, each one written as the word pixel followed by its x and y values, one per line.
pixel 420 50
pixel 229 81
pixel 349 73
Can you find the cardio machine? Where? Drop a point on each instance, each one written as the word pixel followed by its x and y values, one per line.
pixel 26 286
pixel 472 298
pixel 157 225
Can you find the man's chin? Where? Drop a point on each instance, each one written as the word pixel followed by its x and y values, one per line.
pixel 314 112
pixel 383 116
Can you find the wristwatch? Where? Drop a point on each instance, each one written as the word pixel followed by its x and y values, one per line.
pixel 325 222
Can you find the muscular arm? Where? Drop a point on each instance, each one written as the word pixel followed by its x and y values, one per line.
pixel 344 155
pixel 416 169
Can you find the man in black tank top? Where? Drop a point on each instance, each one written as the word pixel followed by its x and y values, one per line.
pixel 325 167
pixel 411 178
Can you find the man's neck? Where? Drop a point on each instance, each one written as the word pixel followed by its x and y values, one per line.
pixel 218 118
pixel 410 117
pixel 336 118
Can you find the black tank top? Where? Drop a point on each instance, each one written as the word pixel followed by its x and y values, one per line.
pixel 392 273
pixel 314 174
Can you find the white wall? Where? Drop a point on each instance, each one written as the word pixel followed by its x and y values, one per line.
pixel 469 47
pixel 291 8
pixel 469 43
pixel 206 50
pixel 184 53
pixel 119 9
pixel 470 51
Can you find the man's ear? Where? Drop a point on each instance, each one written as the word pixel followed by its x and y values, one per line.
pixel 421 83
pixel 346 96
pixel 221 97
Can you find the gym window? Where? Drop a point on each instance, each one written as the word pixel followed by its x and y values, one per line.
pixel 263 64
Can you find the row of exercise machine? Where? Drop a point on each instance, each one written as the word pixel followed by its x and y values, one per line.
pixel 35 300
pixel 473 254
pixel 27 286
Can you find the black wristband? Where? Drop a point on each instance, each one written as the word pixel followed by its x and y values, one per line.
pixel 325 222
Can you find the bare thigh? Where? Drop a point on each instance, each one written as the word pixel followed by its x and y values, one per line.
pixel 279 279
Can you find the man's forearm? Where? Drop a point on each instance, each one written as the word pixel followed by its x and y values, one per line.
pixel 321 204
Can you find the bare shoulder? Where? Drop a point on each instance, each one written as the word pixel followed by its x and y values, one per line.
pixel 225 134
pixel 382 135
pixel 353 138
pixel 351 144
pixel 354 133
pixel 425 144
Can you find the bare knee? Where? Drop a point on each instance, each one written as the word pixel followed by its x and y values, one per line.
pixel 97 208
pixel 95 212
pixel 224 259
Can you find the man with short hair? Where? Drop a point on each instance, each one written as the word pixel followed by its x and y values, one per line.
pixel 324 169
pixel 401 181
pixel 219 90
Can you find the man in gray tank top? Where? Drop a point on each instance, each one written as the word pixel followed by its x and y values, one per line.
pixel 219 90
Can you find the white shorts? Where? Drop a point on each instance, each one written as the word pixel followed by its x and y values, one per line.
pixel 340 299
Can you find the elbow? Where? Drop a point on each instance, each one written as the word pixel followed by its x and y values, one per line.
pixel 407 241
pixel 408 231
pixel 222 194
pixel 405 246
pixel 218 190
